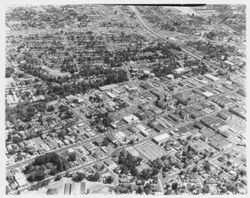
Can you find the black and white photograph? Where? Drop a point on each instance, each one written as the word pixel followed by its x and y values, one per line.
pixel 127 99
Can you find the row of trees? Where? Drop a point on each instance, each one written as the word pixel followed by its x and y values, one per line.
pixel 128 163
pixel 35 173
pixel 78 177
pixel 8 72
pixel 26 111
pixel 111 76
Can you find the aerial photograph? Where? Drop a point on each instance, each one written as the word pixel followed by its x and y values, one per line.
pixel 108 99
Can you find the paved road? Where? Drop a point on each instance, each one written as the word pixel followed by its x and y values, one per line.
pixel 122 147
pixel 22 163
pixel 133 8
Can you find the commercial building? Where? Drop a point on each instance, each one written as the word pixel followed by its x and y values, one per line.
pixel 120 136
pixel 207 94
pixel 111 95
pixel 107 87
pixel 142 115
pixel 131 89
pixel 161 138
pixel 211 77
pixel 222 101
pixel 225 115
pixel 143 130
pixel 241 112
pixel 156 125
pixel 130 119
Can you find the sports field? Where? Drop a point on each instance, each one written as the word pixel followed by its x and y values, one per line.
pixel 150 150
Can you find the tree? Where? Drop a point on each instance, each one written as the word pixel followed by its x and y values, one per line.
pixel 58 177
pixel 195 169
pixel 105 141
pixel 52 191
pixel 174 186
pixel 155 171
pixel 28 169
pixel 39 160
pixel 147 189
pixel 75 101
pixel 134 172
pixel 62 133
pixel 31 178
pixel 207 166
pixel 205 189
pixel 164 157
pixel 39 176
pixel 106 121
pixel 139 190
pixel 67 174
pixel 72 156
pixel 157 163
pixel 7 190
pixel 109 180
pixel 242 172
pixel 50 108
pixel 41 184
pixel 41 106
pixel 78 177
pixel 231 187
pixel 94 177
pixel 18 158
pixel 53 171
pixel 8 72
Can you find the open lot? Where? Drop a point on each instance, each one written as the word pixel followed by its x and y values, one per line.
pixel 150 150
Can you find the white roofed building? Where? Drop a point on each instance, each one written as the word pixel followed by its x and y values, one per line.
pixel 131 119
pixel 159 139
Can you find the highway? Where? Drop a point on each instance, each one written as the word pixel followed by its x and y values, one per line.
pixel 184 123
pixel 133 8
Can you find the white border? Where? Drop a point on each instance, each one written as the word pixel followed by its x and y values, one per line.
pixel 6 3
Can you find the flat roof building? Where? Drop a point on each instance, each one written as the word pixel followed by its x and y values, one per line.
pixel 211 77
pixel 131 119
pixel 103 88
pixel 159 139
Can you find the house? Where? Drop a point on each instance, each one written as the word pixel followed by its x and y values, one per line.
pixel 111 164
pixel 98 141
